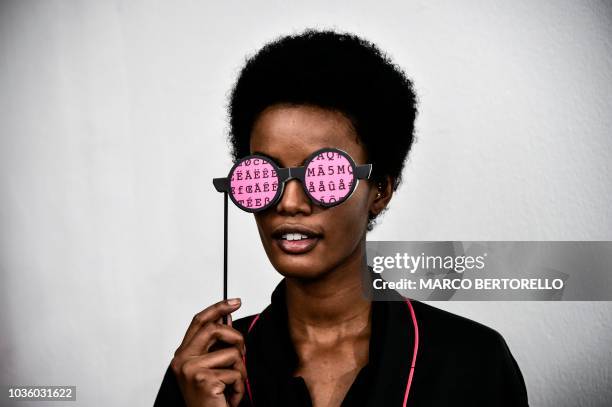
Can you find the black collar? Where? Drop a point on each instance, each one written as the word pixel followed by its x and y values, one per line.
pixel 271 357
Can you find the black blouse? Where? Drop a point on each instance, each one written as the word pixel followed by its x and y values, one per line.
pixel 459 362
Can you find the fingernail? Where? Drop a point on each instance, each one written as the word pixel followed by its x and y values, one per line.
pixel 233 301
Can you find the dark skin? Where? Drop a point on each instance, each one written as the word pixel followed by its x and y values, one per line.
pixel 329 319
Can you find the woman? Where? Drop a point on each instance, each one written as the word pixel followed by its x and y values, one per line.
pixel 321 342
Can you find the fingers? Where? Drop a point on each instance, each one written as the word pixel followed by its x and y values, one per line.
pixel 209 334
pixel 211 385
pixel 238 392
pixel 219 379
pixel 213 313
pixel 213 372
pixel 203 368
pixel 223 358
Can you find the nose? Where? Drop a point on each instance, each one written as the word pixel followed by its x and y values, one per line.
pixel 294 200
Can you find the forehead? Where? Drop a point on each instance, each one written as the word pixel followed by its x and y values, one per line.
pixel 290 133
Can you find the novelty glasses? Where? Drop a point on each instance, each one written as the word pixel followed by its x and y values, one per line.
pixel 255 183
pixel 329 177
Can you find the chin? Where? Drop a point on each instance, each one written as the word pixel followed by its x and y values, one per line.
pixel 303 269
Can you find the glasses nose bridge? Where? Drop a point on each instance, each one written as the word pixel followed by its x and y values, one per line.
pixel 295 172
pixel 288 174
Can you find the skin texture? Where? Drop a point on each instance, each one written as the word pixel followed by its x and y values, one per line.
pixel 208 376
pixel 329 320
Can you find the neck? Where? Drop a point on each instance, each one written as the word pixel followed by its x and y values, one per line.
pixel 334 300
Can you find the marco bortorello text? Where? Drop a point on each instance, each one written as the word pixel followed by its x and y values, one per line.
pixel 488 270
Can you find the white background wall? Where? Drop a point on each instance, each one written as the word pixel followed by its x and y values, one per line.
pixel 112 124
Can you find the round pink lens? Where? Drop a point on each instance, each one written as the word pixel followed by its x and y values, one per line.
pixel 254 183
pixel 329 177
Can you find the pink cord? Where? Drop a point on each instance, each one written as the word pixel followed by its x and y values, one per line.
pixel 414 353
pixel 244 359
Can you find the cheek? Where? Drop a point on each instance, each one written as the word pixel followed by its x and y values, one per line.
pixel 359 202
pixel 264 231
pixel 351 217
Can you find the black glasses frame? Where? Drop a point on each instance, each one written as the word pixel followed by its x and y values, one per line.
pixel 286 174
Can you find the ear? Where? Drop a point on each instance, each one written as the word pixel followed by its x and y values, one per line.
pixel 381 193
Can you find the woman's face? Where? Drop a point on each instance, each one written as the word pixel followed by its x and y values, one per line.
pixel 289 134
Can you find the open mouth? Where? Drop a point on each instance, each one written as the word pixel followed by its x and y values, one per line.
pixel 296 240
pixel 294 236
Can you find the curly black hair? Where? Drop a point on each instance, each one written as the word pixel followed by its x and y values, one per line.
pixel 337 71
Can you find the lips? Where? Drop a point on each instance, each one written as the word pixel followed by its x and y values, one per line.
pixel 295 238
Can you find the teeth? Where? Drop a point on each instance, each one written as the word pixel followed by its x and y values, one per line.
pixel 294 236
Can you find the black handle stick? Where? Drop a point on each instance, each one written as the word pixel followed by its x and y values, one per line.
pixel 222 185
pixel 225 252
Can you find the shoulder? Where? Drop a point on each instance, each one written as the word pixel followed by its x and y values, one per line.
pixel 475 353
pixel 451 339
pixel 441 326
